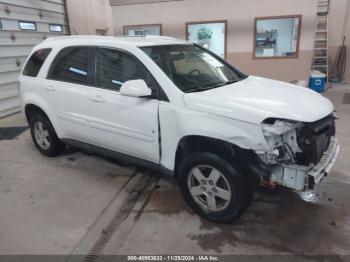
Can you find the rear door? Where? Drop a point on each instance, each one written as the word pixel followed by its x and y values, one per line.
pixel 128 125
pixel 66 91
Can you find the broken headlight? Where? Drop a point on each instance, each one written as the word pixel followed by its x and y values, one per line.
pixel 281 136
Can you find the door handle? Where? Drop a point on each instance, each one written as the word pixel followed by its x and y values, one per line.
pixel 49 88
pixel 97 99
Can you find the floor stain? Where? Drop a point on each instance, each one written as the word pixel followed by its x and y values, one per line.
pixel 286 222
pixel 71 158
pixel 280 220
pixel 115 175
pixel 9 133
pixel 167 202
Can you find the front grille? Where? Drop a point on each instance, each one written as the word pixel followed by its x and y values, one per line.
pixel 314 139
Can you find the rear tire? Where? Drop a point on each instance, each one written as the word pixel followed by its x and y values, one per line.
pixel 214 188
pixel 44 135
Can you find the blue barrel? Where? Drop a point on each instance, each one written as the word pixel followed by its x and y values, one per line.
pixel 317 81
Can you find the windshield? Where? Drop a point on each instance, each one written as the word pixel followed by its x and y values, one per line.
pixel 192 68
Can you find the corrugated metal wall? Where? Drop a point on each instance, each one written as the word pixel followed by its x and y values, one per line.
pixel 15 44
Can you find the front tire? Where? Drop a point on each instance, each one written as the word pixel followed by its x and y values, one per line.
pixel 44 136
pixel 214 188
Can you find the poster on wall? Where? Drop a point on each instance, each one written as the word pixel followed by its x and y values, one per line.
pixel 141 30
pixel 211 35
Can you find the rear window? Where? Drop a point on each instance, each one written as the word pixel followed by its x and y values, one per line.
pixel 72 65
pixel 35 62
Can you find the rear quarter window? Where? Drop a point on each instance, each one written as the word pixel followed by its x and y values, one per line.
pixel 35 62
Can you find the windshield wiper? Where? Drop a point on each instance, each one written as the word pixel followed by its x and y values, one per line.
pixel 201 88
pixel 218 85
pixel 231 82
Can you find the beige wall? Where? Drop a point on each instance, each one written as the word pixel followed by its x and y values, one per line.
pixel 240 16
pixel 337 18
pixel 347 35
pixel 339 26
pixel 87 16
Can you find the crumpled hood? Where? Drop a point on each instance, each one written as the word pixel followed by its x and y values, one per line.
pixel 255 99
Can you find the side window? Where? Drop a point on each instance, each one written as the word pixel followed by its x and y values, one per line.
pixel 72 65
pixel 35 62
pixel 114 67
pixel 55 28
pixel 31 26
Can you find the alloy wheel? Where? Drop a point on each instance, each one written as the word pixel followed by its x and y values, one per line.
pixel 209 188
pixel 42 135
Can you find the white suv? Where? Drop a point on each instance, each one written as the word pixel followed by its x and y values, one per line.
pixel 174 106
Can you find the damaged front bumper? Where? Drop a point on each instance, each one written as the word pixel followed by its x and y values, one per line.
pixel 300 177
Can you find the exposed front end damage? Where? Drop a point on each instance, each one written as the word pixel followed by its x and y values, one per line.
pixel 300 154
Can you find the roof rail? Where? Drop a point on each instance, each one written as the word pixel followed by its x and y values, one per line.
pixel 160 37
pixel 147 36
pixel 56 38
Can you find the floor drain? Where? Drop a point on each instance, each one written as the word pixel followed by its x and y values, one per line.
pixel 120 216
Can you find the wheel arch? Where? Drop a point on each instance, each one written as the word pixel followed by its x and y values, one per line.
pixel 31 108
pixel 246 159
pixel 35 101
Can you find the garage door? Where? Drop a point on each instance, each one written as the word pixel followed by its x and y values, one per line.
pixel 23 24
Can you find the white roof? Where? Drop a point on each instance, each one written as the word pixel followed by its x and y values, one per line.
pixel 127 40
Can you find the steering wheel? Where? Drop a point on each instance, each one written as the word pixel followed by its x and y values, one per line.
pixel 194 71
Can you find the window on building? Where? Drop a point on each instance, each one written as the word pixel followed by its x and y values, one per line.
pixel 31 26
pixel 72 65
pixel 35 62
pixel 277 36
pixel 141 30
pixel 211 35
pixel 0 24
pixel 55 28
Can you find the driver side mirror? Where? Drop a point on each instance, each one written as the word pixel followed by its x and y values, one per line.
pixel 135 88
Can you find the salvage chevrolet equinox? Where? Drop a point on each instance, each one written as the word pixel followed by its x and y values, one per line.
pixel 174 106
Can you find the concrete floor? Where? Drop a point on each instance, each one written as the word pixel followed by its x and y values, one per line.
pixel 63 205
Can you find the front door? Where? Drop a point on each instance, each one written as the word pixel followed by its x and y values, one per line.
pixel 128 125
